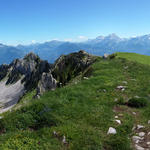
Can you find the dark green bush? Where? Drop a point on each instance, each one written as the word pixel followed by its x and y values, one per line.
pixel 116 142
pixel 112 56
pixel 137 102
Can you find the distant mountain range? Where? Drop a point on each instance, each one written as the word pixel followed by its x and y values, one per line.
pixel 98 46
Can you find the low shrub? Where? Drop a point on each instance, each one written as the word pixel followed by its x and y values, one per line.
pixel 137 102
pixel 112 56
pixel 116 142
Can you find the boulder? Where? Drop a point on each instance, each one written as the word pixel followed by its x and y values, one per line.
pixel 29 69
pixel 46 83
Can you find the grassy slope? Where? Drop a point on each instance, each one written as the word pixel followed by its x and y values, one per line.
pixel 82 112
pixel 135 57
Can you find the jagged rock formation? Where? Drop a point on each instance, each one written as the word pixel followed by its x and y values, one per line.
pixel 30 67
pixel 33 73
pixel 47 82
pixel 19 77
pixel 67 67
pixel 3 71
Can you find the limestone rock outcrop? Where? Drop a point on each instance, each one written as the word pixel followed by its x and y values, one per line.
pixel 47 82
pixel 67 67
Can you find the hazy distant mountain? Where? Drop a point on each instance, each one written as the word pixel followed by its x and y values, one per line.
pixel 98 46
pixel 9 53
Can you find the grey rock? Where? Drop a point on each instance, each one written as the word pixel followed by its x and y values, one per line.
pixel 133 128
pixel 141 134
pixel 120 87
pixel 116 99
pixel 126 67
pixel 137 147
pixel 148 143
pixel 136 96
pixel 140 127
pixel 46 83
pixel 64 140
pixel 124 82
pixel 116 117
pixel 134 113
pixel 112 130
pixel 136 139
pixel 85 78
pixel 118 121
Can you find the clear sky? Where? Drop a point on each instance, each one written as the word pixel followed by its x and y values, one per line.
pixel 26 21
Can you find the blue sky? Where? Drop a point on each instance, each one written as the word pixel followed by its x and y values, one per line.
pixel 26 21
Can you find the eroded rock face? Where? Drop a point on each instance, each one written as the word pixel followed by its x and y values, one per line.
pixel 47 82
pixel 30 68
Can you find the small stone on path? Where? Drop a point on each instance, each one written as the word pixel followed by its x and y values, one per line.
pixel 141 134
pixel 139 147
pixel 148 143
pixel 140 127
pixel 120 87
pixel 136 138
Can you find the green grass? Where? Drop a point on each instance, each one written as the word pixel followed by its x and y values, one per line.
pixel 135 57
pixel 82 112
